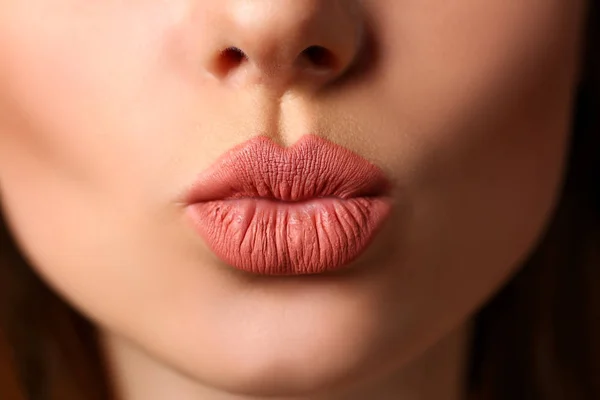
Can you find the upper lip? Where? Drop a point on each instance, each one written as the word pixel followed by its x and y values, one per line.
pixel 312 168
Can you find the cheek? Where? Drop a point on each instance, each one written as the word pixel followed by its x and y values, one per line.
pixel 472 117
pixel 497 137
pixel 491 163
pixel 52 124
pixel 482 100
pixel 68 172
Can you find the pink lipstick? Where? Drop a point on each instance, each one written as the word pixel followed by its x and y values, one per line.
pixel 311 208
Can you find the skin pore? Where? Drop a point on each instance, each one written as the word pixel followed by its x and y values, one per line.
pixel 109 109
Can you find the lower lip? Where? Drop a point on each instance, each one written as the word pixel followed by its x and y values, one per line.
pixel 270 237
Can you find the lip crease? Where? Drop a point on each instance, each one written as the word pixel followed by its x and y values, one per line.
pixel 310 208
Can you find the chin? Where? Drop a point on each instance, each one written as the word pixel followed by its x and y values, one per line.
pixel 305 370
pixel 311 354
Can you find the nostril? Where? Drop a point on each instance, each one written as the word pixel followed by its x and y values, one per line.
pixel 320 58
pixel 229 59
pixel 313 60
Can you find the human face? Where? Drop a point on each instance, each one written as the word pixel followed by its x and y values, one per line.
pixel 109 109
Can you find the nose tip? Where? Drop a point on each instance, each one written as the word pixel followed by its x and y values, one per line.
pixel 269 42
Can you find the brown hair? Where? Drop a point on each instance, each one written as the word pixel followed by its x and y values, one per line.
pixel 539 338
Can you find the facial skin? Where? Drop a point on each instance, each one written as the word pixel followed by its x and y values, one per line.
pixel 109 108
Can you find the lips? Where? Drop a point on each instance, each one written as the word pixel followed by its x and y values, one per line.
pixel 307 209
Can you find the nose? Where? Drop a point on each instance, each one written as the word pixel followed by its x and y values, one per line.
pixel 284 42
